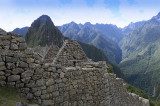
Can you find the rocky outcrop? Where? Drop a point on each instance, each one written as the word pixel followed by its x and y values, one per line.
pixel 61 85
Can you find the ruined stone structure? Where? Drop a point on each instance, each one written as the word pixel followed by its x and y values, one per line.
pixel 69 80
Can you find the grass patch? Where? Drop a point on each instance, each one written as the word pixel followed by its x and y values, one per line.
pixel 10 96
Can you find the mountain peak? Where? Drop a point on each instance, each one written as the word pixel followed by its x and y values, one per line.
pixel 44 32
pixel 44 17
pixel 88 23
pixel 72 23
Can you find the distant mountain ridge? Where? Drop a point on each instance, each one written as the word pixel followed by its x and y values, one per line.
pixel 89 34
pixel 21 31
pixel 131 27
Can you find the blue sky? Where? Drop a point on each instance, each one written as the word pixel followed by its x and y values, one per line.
pixel 20 13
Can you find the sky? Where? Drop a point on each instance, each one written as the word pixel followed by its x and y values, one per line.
pixel 21 13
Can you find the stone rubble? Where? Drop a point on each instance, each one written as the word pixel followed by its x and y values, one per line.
pixel 69 79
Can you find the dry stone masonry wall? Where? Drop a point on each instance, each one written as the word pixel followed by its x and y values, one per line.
pixel 70 54
pixel 61 84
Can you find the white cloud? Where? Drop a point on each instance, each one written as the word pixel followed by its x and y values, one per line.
pixel 14 16
pixel 142 10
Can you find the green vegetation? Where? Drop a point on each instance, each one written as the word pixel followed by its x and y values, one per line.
pixel 135 90
pixel 141 57
pixel 10 96
pixel 139 92
pixel 110 69
pixel 93 53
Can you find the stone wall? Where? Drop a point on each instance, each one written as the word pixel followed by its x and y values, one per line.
pixel 70 54
pixel 54 85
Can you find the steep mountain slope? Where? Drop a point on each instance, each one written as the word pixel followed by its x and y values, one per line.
pixel 87 33
pixel 110 31
pixel 43 32
pixel 21 31
pixel 141 56
pixel 131 27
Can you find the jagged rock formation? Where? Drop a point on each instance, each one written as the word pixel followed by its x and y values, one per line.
pixel 59 84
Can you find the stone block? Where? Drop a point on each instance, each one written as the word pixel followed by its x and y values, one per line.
pixel 17 71
pixel 37 93
pixel 22 64
pixel 45 96
pixel 25 90
pixel 55 94
pixel 2 83
pixel 30 85
pixel 50 82
pixel 5 43
pixel 2 63
pixel 1 73
pixel 21 85
pixel 30 60
pixel 46 74
pixel 50 89
pixel 20 39
pixel 47 103
pixel 26 80
pixel 11 65
pixel 40 82
pixel 39 71
pixel 29 96
pixel 13 46
pixel 2 68
pixel 22 46
pixel 10 59
pixel 27 73
pixel 13 78
pixel 62 75
pixel 2 78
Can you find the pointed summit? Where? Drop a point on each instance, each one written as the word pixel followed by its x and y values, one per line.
pixel 44 19
pixel 43 32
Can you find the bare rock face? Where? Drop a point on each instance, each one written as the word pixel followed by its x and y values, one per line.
pixel 2 32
